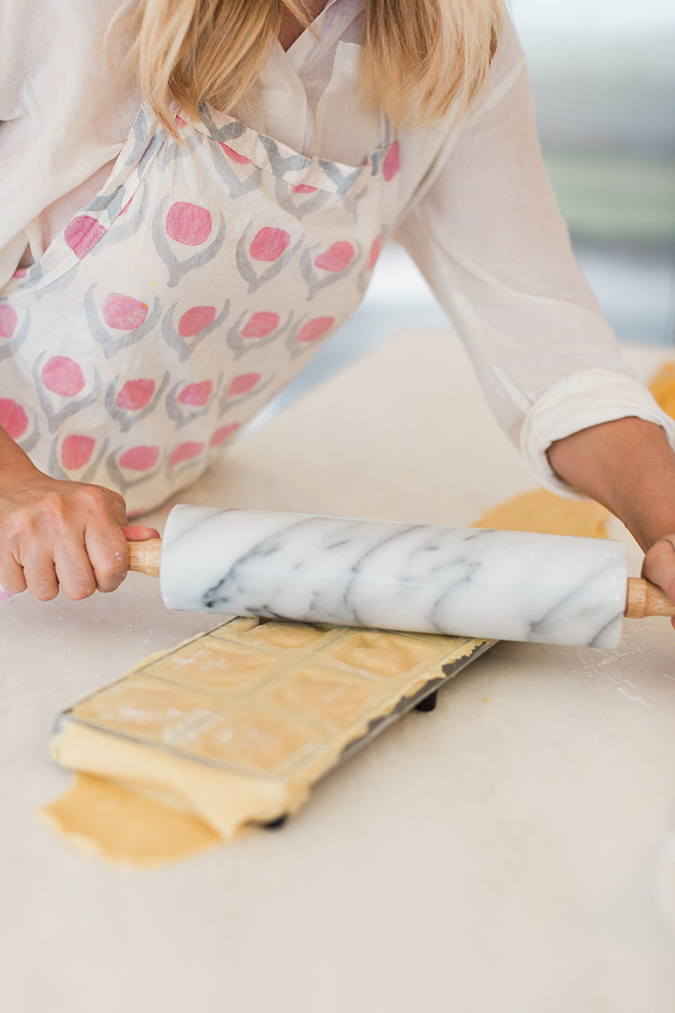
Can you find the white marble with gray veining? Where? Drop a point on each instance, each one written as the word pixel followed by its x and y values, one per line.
pixel 503 585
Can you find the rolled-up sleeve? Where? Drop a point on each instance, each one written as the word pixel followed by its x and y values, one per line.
pixel 488 237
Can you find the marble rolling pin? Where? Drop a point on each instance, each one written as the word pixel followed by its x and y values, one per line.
pixel 497 585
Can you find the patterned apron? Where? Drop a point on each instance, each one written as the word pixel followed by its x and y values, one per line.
pixel 188 292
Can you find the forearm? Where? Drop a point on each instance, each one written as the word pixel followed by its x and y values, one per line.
pixel 628 466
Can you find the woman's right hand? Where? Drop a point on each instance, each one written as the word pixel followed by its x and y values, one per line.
pixel 56 533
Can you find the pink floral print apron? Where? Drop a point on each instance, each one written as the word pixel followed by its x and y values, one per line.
pixel 182 298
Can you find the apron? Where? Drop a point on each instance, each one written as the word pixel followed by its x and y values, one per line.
pixel 188 292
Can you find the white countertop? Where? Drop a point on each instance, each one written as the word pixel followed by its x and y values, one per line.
pixel 510 852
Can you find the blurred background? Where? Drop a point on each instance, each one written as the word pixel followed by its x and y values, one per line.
pixel 603 78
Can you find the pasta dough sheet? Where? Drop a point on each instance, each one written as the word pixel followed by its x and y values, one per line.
pixel 542 512
pixel 662 387
pixel 118 824
pixel 231 727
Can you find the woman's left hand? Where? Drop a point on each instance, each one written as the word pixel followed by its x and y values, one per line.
pixel 629 466
pixel 659 565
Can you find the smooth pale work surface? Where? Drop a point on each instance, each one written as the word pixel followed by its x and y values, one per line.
pixel 509 851
pixel 500 585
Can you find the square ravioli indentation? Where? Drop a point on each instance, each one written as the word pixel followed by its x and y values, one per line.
pixel 258 740
pixel 322 694
pixel 384 654
pixel 148 708
pixel 214 664
pixel 193 722
pixel 275 635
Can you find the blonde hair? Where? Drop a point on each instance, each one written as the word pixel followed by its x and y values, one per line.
pixel 419 56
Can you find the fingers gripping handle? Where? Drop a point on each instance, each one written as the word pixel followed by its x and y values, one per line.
pixel 645 599
pixel 144 556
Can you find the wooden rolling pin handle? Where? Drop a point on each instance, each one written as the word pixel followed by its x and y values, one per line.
pixel 645 599
pixel 144 556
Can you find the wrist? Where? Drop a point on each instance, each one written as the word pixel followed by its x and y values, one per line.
pixel 649 525
pixel 16 467
pixel 629 467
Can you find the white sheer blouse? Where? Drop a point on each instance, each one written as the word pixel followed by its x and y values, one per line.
pixel 475 209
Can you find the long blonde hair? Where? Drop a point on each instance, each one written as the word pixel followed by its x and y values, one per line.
pixel 419 56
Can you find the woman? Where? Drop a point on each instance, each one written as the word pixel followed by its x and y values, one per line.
pixel 181 228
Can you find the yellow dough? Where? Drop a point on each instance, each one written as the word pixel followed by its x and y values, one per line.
pixel 389 655
pixel 662 387
pixel 286 636
pixel 231 727
pixel 123 827
pixel 218 664
pixel 167 714
pixel 323 695
pixel 541 511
